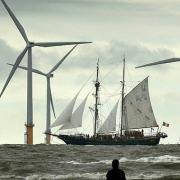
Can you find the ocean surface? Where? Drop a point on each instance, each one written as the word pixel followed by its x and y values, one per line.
pixel 44 162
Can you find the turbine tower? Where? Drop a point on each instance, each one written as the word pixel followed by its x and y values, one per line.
pixel 50 103
pixel 28 48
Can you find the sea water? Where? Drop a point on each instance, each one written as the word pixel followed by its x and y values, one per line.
pixel 44 162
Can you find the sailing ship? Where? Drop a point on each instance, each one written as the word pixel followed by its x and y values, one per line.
pixel 136 117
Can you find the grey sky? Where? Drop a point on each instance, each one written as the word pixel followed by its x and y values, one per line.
pixel 144 30
pixel 134 21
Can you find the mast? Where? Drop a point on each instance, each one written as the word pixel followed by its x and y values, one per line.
pixel 97 85
pixel 122 95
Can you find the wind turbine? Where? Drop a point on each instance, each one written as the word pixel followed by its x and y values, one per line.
pixel 48 76
pixel 160 62
pixel 28 48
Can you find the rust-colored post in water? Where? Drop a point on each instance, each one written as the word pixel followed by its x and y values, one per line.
pixel 29 133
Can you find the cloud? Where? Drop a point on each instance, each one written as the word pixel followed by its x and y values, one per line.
pixel 112 52
pixel 84 57
pixel 7 54
pixel 44 5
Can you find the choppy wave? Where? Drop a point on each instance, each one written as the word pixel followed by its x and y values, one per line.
pixel 40 162
pixel 87 163
pixel 165 159
pixel 89 176
pixel 159 159
pixel 155 177
pixel 14 177
pixel 86 176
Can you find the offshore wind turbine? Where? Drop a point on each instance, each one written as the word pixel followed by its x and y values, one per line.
pixel 160 62
pixel 28 48
pixel 49 99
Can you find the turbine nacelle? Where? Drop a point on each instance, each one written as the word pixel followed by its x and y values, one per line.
pixel 30 44
pixel 50 75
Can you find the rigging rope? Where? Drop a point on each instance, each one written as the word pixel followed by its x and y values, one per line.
pixel 87 81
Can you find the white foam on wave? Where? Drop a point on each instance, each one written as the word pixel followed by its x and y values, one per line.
pixel 124 159
pixel 67 176
pixel 87 163
pixel 87 176
pixel 158 159
pixel 163 159
pixel 152 176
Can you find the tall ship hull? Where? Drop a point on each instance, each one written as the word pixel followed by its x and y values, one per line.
pixel 82 140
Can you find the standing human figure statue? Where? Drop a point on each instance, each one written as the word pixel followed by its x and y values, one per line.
pixel 115 173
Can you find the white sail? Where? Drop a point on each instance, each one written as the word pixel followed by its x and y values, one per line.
pixel 109 124
pixel 138 111
pixel 76 118
pixel 65 116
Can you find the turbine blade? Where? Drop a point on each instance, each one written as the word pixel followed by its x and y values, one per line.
pixel 160 62
pixel 20 57
pixel 33 70
pixel 52 104
pixel 61 61
pixel 51 44
pixel 17 23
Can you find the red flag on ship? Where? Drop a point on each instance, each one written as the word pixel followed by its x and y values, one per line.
pixel 165 124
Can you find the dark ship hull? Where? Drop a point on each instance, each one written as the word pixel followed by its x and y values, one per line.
pixel 85 140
